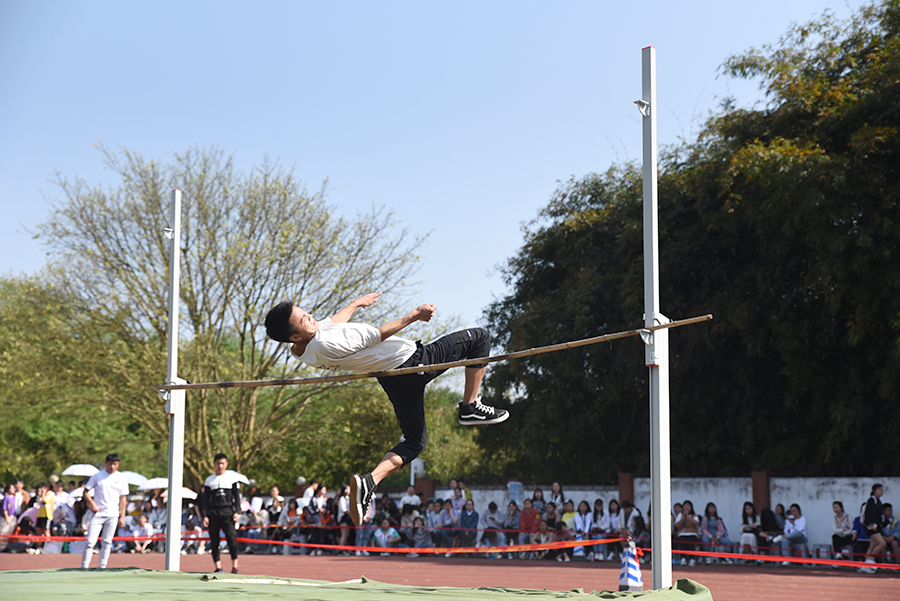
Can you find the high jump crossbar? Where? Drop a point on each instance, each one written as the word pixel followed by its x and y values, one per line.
pixel 643 332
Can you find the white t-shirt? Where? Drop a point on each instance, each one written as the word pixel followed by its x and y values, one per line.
pixel 413 500
pixel 226 480
pixel 355 347
pixel 107 489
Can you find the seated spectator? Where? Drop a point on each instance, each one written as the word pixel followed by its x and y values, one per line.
pixel 410 498
pixel 253 522
pixel 542 536
pixel 490 539
pixel 626 518
pixel 599 529
pixel 537 499
pixel 63 523
pixel 640 534
pixel 468 524
pixel 794 536
pixel 512 522
pixel 612 518
pixel 390 509
pixel 677 510
pixel 583 524
pixel 23 528
pixel 551 516
pixel 492 519
pixel 842 529
pixel 292 523
pixel 458 502
pixel 750 530
pixel 433 520
pixel 768 526
pixel 891 531
pixel 562 534
pixel 408 515
pixel 529 522
pixel 568 514
pixel 143 528
pixel 780 516
pixel 687 525
pixel 713 531
pixel 448 521
pixel 419 537
pixel 385 537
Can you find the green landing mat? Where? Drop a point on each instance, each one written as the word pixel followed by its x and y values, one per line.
pixel 134 583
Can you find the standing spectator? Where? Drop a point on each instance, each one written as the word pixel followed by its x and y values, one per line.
pixel 45 498
pixel 459 501
pixel 874 520
pixel 713 531
pixel 23 497
pixel 410 498
pixel 468 524
pixel 419 536
pixel 688 528
pixel 108 501
pixel 750 529
pixel 220 506
pixel 537 499
pixel 343 516
pixel 842 529
pixel 794 533
pixel 891 531
pixel 512 522
pixel 385 537
pixel 466 493
pixel 8 515
pixel 307 493
pixel 557 497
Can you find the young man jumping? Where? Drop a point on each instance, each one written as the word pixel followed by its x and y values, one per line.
pixel 336 344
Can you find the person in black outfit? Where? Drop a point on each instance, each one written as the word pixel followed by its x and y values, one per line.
pixel 873 519
pixel 220 507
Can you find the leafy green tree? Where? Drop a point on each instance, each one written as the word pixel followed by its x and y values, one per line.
pixel 782 221
pixel 248 241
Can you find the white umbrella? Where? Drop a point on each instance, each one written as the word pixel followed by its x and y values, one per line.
pixel 239 477
pixel 154 483
pixel 135 478
pixel 80 469
pixel 186 493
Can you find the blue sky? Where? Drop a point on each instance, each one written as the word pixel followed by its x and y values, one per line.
pixel 461 117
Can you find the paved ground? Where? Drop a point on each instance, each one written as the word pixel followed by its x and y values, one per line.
pixel 727 583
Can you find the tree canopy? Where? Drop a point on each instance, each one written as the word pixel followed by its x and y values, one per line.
pixel 781 220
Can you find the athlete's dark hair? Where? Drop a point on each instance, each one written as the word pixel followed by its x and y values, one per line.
pixel 278 325
pixel 113 457
pixel 220 456
pixel 874 488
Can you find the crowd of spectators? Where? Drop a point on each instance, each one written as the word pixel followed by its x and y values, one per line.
pixel 322 522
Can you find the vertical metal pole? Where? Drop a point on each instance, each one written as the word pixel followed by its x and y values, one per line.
pixel 657 350
pixel 175 401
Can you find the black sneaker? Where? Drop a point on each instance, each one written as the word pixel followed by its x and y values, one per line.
pixel 234 570
pixel 362 490
pixel 476 414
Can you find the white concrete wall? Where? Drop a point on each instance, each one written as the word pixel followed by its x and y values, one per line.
pixel 814 495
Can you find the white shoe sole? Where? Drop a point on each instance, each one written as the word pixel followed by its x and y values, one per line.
pixel 356 499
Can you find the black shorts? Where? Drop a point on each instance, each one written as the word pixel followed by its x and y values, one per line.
pixel 41 523
pixel 407 392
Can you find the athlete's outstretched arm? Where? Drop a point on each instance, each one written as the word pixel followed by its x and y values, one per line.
pixel 420 313
pixel 346 313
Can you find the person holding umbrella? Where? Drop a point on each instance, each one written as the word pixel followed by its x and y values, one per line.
pixel 106 494
pixel 220 507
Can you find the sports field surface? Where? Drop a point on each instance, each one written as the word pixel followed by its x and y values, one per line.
pixel 56 577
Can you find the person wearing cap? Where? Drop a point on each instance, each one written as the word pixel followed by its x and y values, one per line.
pixel 220 508
pixel 106 494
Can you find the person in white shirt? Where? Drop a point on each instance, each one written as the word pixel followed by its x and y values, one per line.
pixel 337 344
pixel 106 494
pixel 794 533
pixel 142 529
pixel 220 507
pixel 410 498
